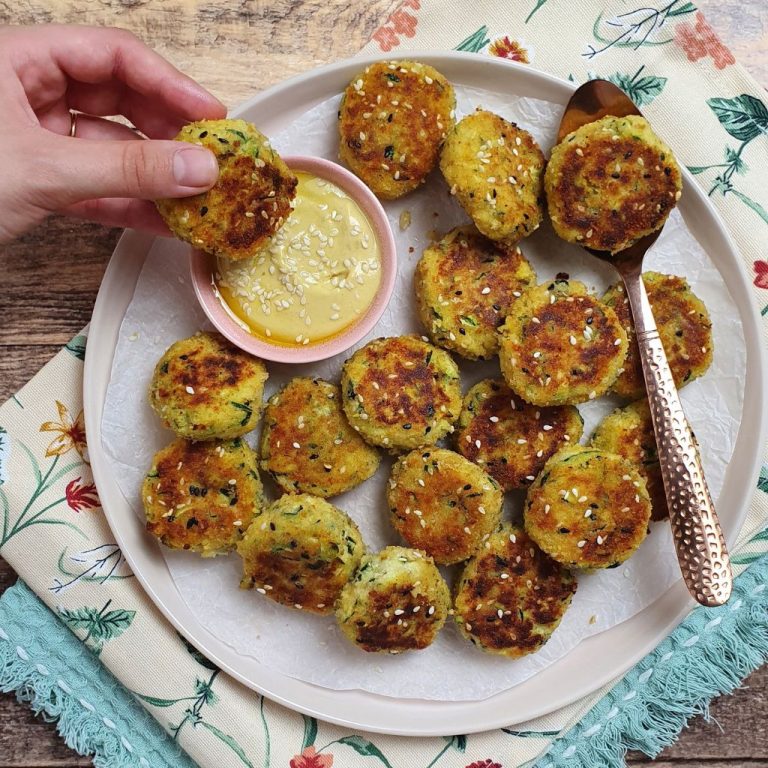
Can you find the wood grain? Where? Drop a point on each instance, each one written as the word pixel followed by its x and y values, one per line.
pixel 236 48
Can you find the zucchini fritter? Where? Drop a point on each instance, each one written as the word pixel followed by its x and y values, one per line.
pixel 204 387
pixel 628 432
pixel 588 508
pixel 249 202
pixel 401 392
pixel 465 285
pixel 442 503
pixel 684 327
pixel 510 439
pixel 300 552
pixel 511 596
pixel 397 601
pixel 392 122
pixel 307 444
pixel 202 496
pixel 496 171
pixel 610 183
pixel 560 345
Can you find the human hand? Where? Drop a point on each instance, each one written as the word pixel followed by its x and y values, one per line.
pixel 107 172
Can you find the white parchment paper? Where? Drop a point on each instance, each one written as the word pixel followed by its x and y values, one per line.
pixel 311 648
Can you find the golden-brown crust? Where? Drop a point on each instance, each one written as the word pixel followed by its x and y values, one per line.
pixel 628 432
pixel 383 634
pixel 511 596
pixel 496 171
pixel 442 503
pixel 465 286
pixel 401 392
pixel 509 438
pixel 587 508
pixel 684 327
pixel 301 552
pixel 205 387
pixel 249 202
pixel 560 345
pixel 307 444
pixel 202 496
pixel 397 601
pixel 611 182
pixel 393 119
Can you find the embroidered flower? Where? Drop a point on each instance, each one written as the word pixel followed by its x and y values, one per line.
pixel 71 434
pixel 514 50
pixel 400 22
pixel 761 274
pixel 310 759
pixel 487 763
pixel 80 496
pixel 700 41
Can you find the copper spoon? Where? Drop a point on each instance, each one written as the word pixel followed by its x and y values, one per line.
pixel 699 542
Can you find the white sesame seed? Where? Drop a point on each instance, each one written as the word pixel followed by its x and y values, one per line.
pixel 581 544
pixel 296 445
pixel 190 391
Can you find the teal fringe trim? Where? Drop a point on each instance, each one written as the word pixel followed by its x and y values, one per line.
pixel 52 672
pixel 709 654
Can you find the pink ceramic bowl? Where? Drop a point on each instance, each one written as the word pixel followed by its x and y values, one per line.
pixel 203 267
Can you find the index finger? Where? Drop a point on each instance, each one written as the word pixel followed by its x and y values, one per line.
pixel 96 55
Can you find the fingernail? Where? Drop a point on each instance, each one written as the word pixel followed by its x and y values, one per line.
pixel 195 167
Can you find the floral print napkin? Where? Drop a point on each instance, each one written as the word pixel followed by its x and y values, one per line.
pixel 664 54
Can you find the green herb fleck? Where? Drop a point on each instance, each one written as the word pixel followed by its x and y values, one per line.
pixel 246 409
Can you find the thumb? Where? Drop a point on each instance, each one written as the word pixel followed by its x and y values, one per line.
pixel 71 169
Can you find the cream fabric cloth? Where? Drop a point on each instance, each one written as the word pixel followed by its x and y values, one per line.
pixel 665 54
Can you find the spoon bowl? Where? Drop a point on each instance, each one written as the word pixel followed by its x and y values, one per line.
pixel 699 541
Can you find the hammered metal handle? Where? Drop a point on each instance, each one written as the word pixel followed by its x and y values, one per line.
pixel 698 539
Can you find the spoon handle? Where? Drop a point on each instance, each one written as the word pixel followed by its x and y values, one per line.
pixel 699 541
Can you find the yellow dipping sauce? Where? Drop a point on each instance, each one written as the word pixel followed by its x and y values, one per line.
pixel 318 274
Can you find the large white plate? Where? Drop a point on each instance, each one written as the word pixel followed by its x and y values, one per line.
pixel 595 661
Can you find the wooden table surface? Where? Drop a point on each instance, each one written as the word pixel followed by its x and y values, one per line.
pixel 52 275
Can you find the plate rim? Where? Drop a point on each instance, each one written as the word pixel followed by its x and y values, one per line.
pixel 361 710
